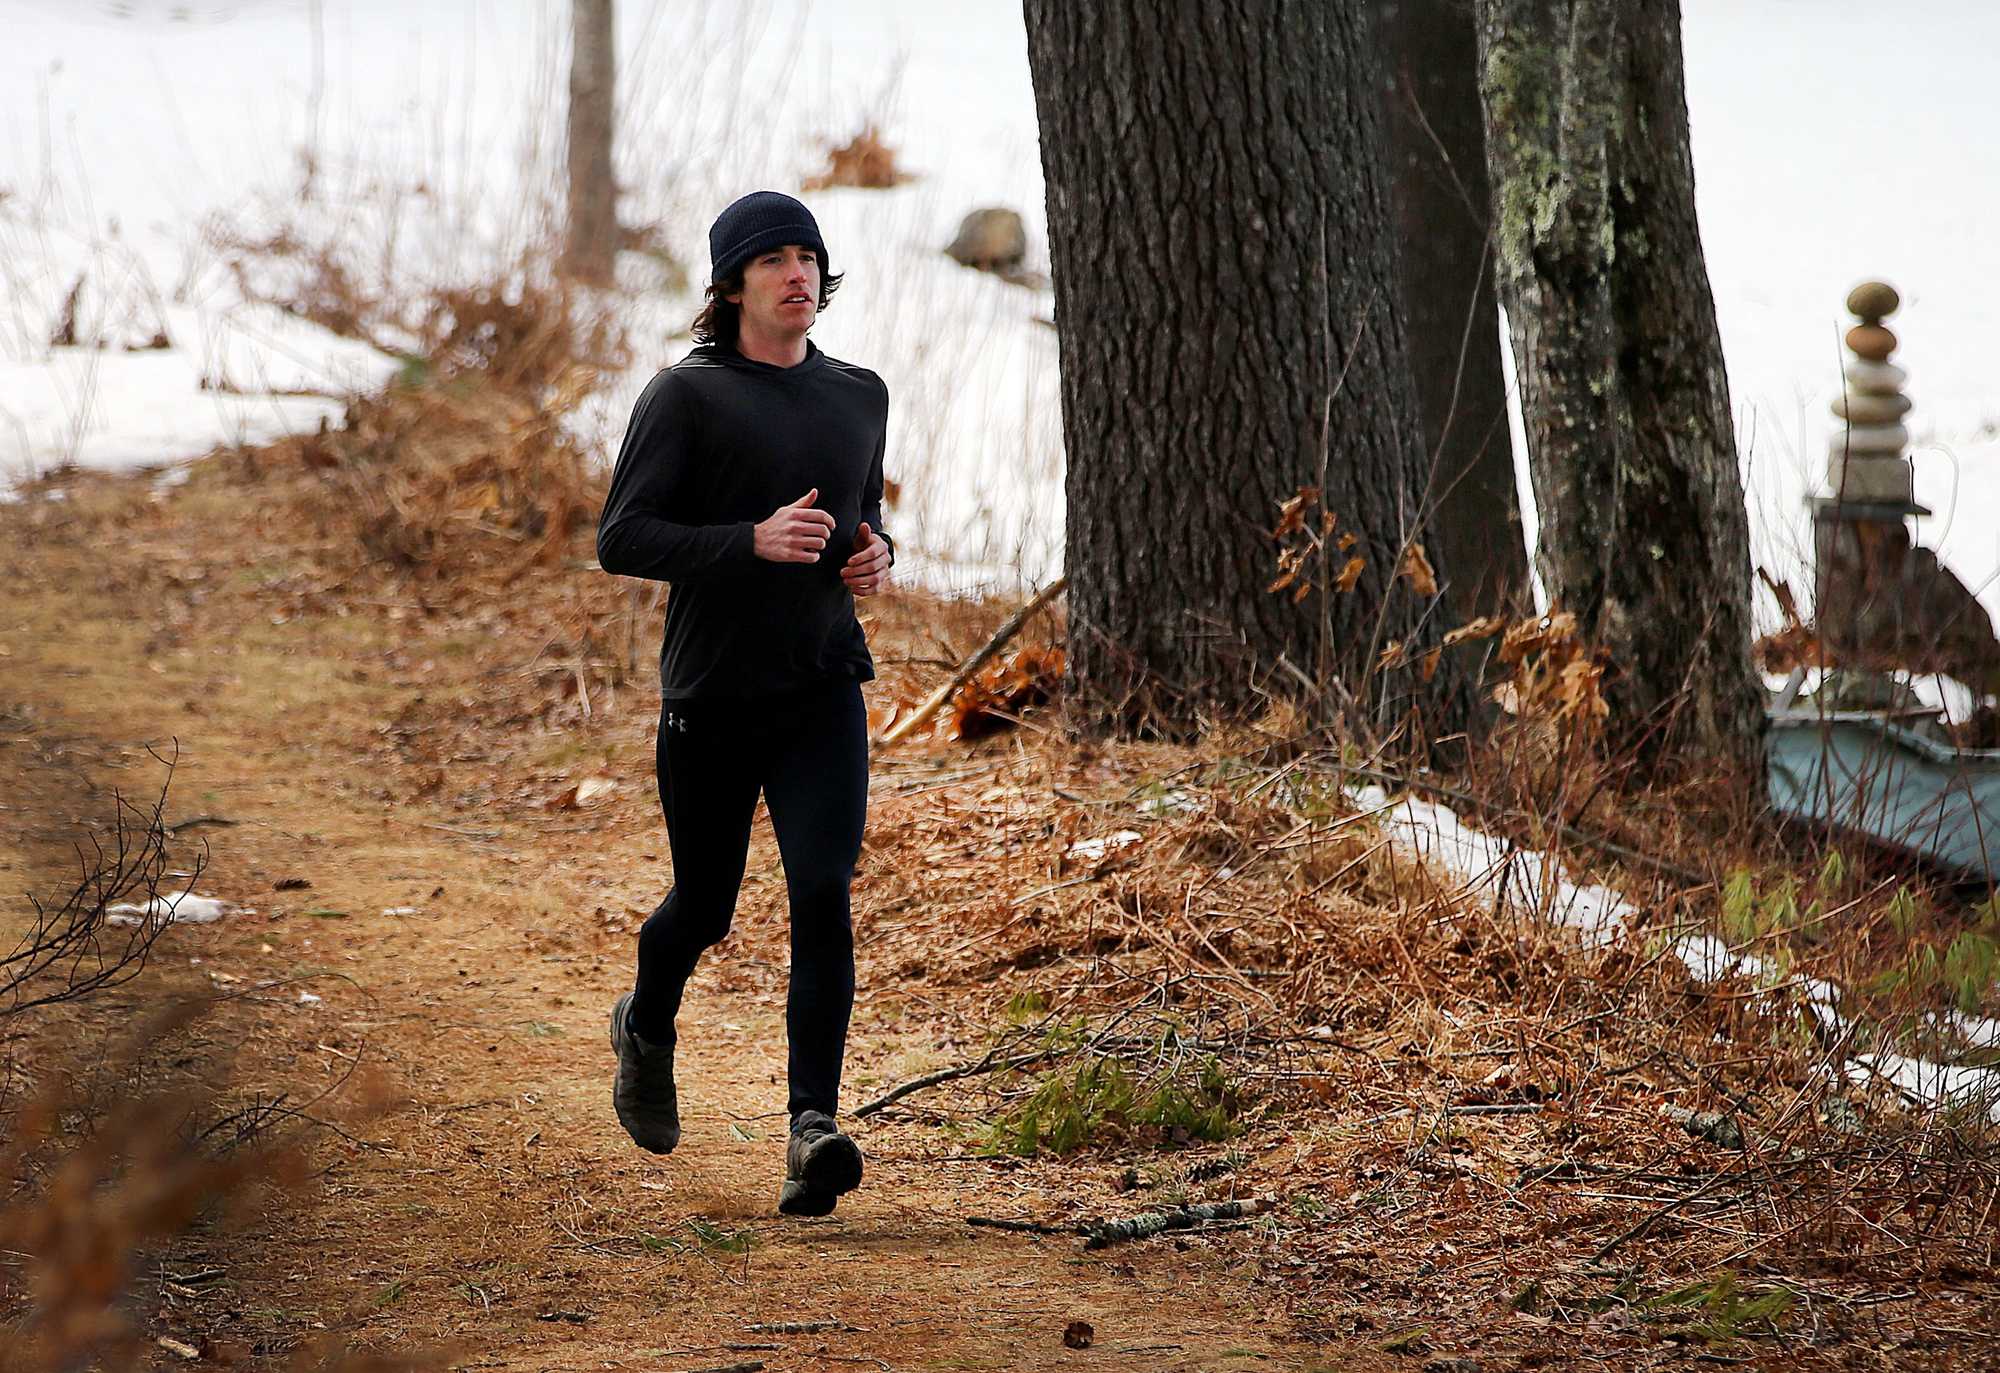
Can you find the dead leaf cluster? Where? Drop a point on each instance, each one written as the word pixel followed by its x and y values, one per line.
pixel 864 161
pixel 998 696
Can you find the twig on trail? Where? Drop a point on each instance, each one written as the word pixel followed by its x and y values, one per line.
pixel 988 1064
pixel 754 1366
pixel 192 821
pixel 1159 1222
pixel 1026 1227
pixel 984 1065
pixel 937 698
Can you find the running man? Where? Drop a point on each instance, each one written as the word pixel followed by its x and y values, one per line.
pixel 751 479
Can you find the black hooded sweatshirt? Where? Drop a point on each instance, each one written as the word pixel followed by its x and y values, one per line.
pixel 717 443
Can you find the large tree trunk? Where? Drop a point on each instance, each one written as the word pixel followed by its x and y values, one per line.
pixel 1231 332
pixel 1631 448
pixel 1437 157
pixel 593 190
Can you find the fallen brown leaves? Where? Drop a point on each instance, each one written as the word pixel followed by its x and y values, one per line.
pixel 1001 693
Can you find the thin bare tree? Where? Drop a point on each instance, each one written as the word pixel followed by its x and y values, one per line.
pixel 593 190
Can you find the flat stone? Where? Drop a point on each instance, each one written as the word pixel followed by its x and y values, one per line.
pixel 1873 300
pixel 1862 408
pixel 1872 480
pixel 1869 438
pixel 1875 378
pixel 1832 508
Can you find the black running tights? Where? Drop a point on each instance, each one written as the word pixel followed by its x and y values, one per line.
pixel 807 752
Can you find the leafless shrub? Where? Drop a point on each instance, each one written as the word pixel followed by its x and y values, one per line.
pixel 71 949
pixel 523 336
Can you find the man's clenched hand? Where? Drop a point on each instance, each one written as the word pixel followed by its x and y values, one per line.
pixel 795 533
pixel 867 572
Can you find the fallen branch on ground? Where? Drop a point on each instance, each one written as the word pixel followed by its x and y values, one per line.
pixel 902 728
pixel 193 821
pixel 1159 1222
pixel 797 1327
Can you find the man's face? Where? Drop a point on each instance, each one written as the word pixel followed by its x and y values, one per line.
pixel 780 292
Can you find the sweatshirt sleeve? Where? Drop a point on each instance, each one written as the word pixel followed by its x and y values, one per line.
pixel 646 529
pixel 871 491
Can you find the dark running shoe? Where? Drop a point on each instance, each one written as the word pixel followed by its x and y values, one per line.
pixel 820 1164
pixel 643 1092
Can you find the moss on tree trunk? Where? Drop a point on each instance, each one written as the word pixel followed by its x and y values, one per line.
pixel 1631 445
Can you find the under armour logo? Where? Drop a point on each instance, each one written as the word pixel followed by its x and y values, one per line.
pixel 677 723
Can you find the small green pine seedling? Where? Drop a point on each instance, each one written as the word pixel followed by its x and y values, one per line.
pixel 1902 910
pixel 1026 1005
pixel 1739 907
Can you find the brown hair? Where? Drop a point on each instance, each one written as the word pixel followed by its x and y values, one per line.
pixel 718 319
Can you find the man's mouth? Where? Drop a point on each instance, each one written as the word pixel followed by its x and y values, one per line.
pixel 796 300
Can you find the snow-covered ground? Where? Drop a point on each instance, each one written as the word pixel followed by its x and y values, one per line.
pixel 1833 141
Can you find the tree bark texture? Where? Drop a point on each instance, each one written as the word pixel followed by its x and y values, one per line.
pixel 1230 332
pixel 1437 158
pixel 593 188
pixel 1631 447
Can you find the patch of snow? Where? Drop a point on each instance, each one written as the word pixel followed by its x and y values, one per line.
pixel 1484 867
pixel 1953 699
pixel 185 909
pixel 1978 1032
pixel 1931 1084
pixel 1090 850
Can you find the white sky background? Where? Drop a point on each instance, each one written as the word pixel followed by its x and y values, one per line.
pixel 1834 140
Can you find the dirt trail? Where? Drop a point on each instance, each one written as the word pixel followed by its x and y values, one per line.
pixel 477 1192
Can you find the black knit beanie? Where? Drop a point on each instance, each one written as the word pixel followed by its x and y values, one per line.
pixel 760 220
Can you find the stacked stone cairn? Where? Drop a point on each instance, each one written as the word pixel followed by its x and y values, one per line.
pixel 1882 601
pixel 1867 474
